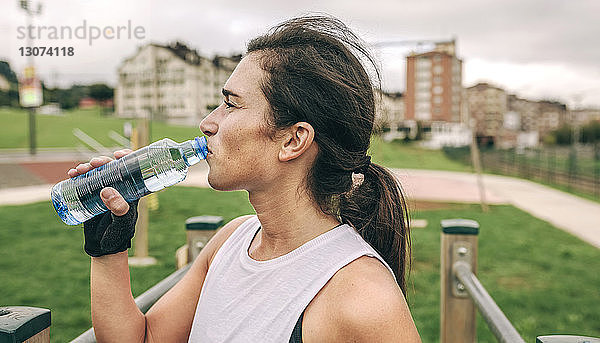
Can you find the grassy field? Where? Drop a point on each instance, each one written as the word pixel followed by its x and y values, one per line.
pixel 57 131
pixel 545 280
pixel 398 154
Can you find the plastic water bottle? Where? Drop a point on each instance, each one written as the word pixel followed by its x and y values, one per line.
pixel 146 170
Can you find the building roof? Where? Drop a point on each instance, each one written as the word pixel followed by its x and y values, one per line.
pixel 431 53
pixel 182 51
pixel 188 55
pixel 484 85
pixel 392 94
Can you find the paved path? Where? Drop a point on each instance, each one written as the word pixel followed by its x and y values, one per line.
pixel 573 214
pixel 576 215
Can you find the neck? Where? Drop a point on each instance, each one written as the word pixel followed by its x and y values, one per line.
pixel 288 220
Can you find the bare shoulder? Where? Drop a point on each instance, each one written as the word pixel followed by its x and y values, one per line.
pixel 362 303
pixel 222 235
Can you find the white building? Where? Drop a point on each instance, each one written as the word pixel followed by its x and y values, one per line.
pixel 389 114
pixel 172 83
pixel 448 134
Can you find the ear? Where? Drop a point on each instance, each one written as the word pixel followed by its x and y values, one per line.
pixel 298 138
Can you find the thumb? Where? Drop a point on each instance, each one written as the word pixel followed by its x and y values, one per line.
pixel 114 201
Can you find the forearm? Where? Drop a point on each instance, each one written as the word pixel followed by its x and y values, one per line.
pixel 115 316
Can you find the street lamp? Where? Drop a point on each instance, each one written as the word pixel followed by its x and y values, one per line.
pixel 30 92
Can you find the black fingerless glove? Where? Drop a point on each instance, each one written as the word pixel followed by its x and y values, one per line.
pixel 109 234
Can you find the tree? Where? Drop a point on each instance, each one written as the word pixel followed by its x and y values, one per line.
pixel 8 73
pixel 564 135
pixel 69 98
pixel 101 92
pixel 590 132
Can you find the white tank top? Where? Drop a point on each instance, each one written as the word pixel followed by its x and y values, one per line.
pixel 245 300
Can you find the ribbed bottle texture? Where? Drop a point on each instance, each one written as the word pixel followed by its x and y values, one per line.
pixel 146 170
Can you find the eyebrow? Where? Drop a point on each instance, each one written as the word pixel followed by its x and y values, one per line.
pixel 227 92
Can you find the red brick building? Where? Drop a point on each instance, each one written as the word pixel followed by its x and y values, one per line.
pixel 434 85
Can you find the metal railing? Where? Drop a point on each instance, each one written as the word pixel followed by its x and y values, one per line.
pixel 462 293
pixel 491 313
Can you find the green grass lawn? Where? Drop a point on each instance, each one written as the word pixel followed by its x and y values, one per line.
pixel 57 131
pixel 398 154
pixel 546 281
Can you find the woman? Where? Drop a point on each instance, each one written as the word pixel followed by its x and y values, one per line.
pixel 323 259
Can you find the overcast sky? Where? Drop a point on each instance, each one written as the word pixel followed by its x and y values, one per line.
pixel 539 49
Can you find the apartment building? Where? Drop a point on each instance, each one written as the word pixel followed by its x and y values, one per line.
pixel 551 116
pixel 527 111
pixel 501 117
pixel 582 116
pixel 172 83
pixel 488 106
pixel 434 85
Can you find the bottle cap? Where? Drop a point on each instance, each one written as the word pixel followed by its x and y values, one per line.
pixel 200 146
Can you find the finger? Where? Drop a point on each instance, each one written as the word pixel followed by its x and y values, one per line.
pixel 114 201
pixel 72 172
pixel 99 161
pixel 122 152
pixel 83 168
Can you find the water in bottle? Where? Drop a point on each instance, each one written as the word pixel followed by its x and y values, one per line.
pixel 146 170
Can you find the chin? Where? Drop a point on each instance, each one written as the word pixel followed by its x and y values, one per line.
pixel 219 185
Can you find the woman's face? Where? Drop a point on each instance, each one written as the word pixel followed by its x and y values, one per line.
pixel 241 156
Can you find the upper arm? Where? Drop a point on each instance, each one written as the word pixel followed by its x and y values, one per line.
pixel 170 319
pixel 361 303
pixel 374 308
pixel 382 318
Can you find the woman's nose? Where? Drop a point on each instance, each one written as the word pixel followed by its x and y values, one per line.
pixel 208 125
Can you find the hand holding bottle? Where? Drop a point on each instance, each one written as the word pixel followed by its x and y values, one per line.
pixel 110 232
pixel 110 197
pixel 135 174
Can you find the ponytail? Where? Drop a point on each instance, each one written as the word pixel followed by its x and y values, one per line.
pixel 377 209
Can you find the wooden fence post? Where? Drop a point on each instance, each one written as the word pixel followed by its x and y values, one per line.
pixel 457 310
pixel 24 324
pixel 139 139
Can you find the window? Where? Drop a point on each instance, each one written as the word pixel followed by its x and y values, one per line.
pixel 423 76
pixel 423 63
pixel 423 86
pixel 423 96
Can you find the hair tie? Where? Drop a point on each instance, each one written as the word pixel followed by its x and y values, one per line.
pixel 364 166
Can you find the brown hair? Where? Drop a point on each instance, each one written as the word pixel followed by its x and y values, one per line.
pixel 314 74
